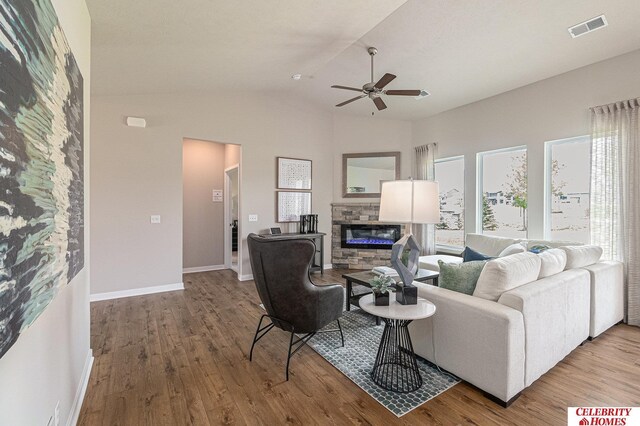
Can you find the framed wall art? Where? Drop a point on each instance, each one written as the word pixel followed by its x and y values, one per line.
pixel 294 173
pixel 291 204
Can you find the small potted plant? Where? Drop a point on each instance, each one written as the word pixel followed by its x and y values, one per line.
pixel 381 287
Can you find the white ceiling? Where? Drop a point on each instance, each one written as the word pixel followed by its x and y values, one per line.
pixel 460 51
pixel 147 46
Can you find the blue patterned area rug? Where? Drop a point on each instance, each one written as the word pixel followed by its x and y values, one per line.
pixel 355 360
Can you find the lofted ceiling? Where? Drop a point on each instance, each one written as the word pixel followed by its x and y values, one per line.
pixel 151 46
pixel 460 51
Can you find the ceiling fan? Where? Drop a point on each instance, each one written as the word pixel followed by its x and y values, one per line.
pixel 374 90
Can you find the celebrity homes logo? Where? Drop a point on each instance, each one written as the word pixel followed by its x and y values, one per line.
pixel 603 416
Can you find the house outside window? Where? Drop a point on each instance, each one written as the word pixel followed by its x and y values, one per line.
pixel 449 172
pixel 567 180
pixel 502 192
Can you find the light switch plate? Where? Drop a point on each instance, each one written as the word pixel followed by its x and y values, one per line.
pixel 155 218
pixel 253 218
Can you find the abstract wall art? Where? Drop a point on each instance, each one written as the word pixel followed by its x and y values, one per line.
pixel 292 204
pixel 41 164
pixel 294 173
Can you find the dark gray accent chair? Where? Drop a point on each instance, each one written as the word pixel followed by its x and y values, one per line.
pixel 291 300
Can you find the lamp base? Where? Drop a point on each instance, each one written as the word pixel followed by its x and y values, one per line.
pixel 407 294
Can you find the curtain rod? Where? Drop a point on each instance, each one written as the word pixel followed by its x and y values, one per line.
pixel 632 100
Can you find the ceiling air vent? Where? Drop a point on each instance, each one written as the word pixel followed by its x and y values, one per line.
pixel 588 26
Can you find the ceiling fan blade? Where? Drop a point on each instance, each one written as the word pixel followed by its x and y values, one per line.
pixel 379 103
pixel 402 92
pixel 346 88
pixel 350 100
pixel 386 79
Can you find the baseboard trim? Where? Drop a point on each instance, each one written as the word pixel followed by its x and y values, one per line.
pixel 74 414
pixel 247 277
pixel 203 269
pixel 135 292
pixel 327 266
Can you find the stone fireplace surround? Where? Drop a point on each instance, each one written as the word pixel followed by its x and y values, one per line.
pixel 355 258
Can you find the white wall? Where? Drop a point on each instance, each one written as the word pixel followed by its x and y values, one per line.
pixel 352 134
pixel 138 172
pixel 551 109
pixel 203 219
pixel 47 362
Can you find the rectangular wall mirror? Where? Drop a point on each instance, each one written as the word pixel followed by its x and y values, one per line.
pixel 363 174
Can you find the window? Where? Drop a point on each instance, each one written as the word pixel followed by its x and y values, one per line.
pixel 567 165
pixel 502 192
pixel 449 172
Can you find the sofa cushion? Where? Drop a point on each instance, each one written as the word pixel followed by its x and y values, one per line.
pixel 488 245
pixel 469 255
pixel 553 262
pixel 431 262
pixel 506 273
pixel 513 249
pixel 460 277
pixel 579 256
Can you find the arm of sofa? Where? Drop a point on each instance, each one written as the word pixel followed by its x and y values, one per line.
pixel 607 295
pixel 480 341
pixel 556 318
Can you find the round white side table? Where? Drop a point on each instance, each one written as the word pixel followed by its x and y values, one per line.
pixel 396 368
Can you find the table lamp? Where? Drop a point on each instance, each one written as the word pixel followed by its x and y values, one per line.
pixel 408 202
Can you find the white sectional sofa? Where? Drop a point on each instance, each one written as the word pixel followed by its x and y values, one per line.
pixel 504 344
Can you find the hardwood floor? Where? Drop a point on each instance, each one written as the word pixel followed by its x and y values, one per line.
pixel 181 358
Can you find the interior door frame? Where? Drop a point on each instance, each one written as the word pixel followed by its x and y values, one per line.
pixel 227 220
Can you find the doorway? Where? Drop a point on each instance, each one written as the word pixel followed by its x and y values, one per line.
pixel 211 185
pixel 232 208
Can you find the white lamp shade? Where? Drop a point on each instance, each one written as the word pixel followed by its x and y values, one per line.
pixel 410 201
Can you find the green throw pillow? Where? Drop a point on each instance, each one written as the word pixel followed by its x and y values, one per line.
pixel 460 277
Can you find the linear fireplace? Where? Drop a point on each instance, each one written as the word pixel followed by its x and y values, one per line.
pixel 369 236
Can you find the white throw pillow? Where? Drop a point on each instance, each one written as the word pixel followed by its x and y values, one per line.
pixel 579 256
pixel 513 249
pixel 553 262
pixel 506 273
pixel 488 245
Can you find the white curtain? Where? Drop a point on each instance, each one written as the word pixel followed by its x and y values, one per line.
pixel 615 192
pixel 424 169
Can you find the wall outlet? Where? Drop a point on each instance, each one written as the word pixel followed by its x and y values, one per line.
pixel 155 218
pixel 56 415
pixel 253 218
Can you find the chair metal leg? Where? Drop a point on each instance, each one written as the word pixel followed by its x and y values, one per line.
pixel 289 356
pixel 341 335
pixel 264 330
pixel 300 341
